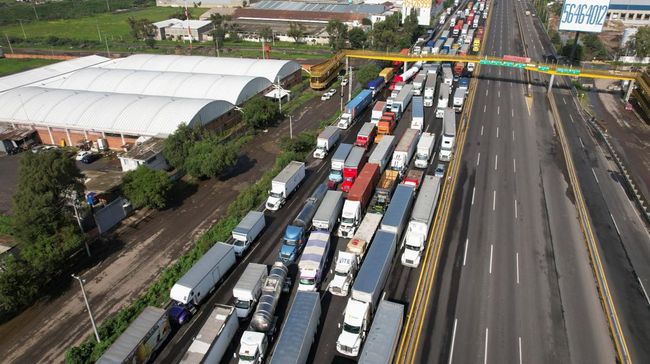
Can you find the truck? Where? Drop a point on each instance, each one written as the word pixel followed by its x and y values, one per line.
pixel 363 236
pixel 443 100
pixel 458 68
pixel 299 331
pixel 376 85
pixel 384 334
pixel 385 125
pixel 430 91
pixel 141 339
pixel 326 140
pixel 382 153
pixel 366 291
pixel 448 134
pixel 418 83
pixel 459 99
pixel 404 150
pixel 284 184
pixel 402 100
pixel 424 150
pixel 337 164
pixel 447 74
pixel 353 165
pixel 398 210
pixel 463 84
pixel 384 190
pixel 355 108
pixel 387 74
pixel 413 178
pixel 437 47
pixel 255 340
pixel 357 200
pixel 366 136
pixel 248 288
pixel 328 211
pixel 344 271
pixel 446 47
pixel 195 285
pixel 295 234
pixel 248 229
pixel 417 113
pixel 420 223
pixel 214 337
pixel 377 111
pixel 312 261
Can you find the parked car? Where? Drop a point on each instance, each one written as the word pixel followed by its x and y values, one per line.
pixel 344 82
pixel 89 158
pixel 332 92
pixel 325 97
pixel 81 154
pixel 440 170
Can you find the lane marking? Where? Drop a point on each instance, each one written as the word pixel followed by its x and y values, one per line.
pixel 581 143
pixel 514 165
pixel 453 340
pixel 615 224
pixel 494 200
pixel 481 130
pixel 478 158
pixel 486 92
pixel 499 94
pixel 564 100
pixel 497 132
pixel 571 117
pixel 465 253
pixel 473 193
pixel 512 112
pixel 496 161
pixel 498 110
pixel 516 208
pixel 517 258
pixel 486 346
pixel 594 173
pixel 513 135
pixel 491 253
pixel 484 108
pixel 520 350
pixel 644 292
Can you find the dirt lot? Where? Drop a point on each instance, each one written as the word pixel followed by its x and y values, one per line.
pixel 139 253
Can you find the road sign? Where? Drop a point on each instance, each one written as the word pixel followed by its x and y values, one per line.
pixel 568 71
pixel 499 63
pixel 583 15
pixel 543 68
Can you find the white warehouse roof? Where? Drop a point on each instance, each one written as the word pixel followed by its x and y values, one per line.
pixel 267 68
pixel 107 112
pixel 234 89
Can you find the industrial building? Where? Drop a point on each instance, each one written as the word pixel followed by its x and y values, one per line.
pixel 176 29
pixel 121 100
pixel 630 12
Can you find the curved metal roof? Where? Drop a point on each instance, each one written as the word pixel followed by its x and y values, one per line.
pixel 267 68
pixel 108 112
pixel 234 89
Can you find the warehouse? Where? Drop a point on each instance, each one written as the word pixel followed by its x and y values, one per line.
pixel 176 29
pixel 630 12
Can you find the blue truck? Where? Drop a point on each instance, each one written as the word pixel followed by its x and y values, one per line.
pixel 376 85
pixel 355 108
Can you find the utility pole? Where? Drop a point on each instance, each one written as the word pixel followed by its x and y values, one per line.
pixel 107 50
pixel 350 84
pixel 290 127
pixel 99 34
pixel 108 6
pixel 279 93
pixel 9 43
pixel 35 13
pixel 23 28
pixel 574 48
pixel 83 292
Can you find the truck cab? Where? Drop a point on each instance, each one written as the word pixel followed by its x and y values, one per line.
pixel 344 271
pixel 253 346
pixel 344 121
pixel 355 327
pixel 350 218
pixel 292 242
pixel 414 239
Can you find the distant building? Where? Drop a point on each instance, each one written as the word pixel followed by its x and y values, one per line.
pixel 422 10
pixel 203 3
pixel 630 12
pixel 176 29
pixel 147 153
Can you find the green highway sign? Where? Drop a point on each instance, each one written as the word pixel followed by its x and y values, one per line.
pixel 568 71
pixel 543 68
pixel 499 63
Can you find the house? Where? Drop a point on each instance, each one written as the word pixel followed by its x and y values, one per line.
pixel 147 153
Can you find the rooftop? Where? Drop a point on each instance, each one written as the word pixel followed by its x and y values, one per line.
pixel 319 7
pixel 16 134
pixel 145 150
pixel 181 24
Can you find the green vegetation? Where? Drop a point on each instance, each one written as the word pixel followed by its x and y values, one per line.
pixel 260 113
pixel 177 145
pixel 301 144
pixel 338 34
pixel 15 65
pixel 642 42
pixel 6 225
pixel 146 187
pixel 296 31
pixel 357 38
pixel 390 35
pixel 368 72
pixel 210 157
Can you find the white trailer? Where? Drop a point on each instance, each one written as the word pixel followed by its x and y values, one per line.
pixel 418 83
pixel 424 150
pixel 214 337
pixel 377 111
pixel 248 229
pixel 443 100
pixel 384 334
pixel 404 150
pixel 383 151
pixel 420 223
pixel 447 74
pixel 283 185
pixel 459 99
pixel 326 141
pixel 328 211
pixel 299 330
pixel 364 234
pixel 248 288
pixel 430 90
pixel 448 134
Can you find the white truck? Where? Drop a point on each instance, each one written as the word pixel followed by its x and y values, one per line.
pixel 248 229
pixel 420 223
pixel 326 140
pixel 424 150
pixel 404 150
pixel 402 100
pixel 384 334
pixel 417 113
pixel 398 210
pixel 447 74
pixel 448 134
pixel 283 185
pixel 382 153
pixel 377 111
pixel 366 291
pixel 430 90
pixel 214 337
pixel 443 100
pixel 338 163
pixel 299 330
pixel 248 288
pixel 459 99
pixel 418 83
pixel 344 270
pixel 312 261
pixel 364 234
pixel 328 211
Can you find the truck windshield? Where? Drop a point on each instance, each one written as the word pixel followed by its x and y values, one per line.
pixel 248 358
pixel 411 247
pixel 342 274
pixel 307 281
pixel 347 220
pixel 239 243
pixel 421 156
pixel 335 173
pixel 243 304
pixel 290 242
pixel 351 329
pixel 275 194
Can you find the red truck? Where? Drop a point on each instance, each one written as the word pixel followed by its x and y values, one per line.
pixel 413 178
pixel 366 136
pixel 458 68
pixel 357 200
pixel 352 166
pixel 385 125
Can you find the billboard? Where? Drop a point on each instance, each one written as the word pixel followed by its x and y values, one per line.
pixel 584 15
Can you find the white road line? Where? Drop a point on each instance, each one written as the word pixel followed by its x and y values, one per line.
pixel 453 340
pixel 494 200
pixel 516 209
pixel 615 224
pixel 520 350
pixel 571 117
pixel 498 110
pixel 478 158
pixel 581 143
pixel 564 100
pixel 481 130
pixel 497 132
pixel 499 93
pixel 473 193
pixel 594 173
pixel 513 135
pixel 514 165
pixel 496 161
pixel 486 345
pixel 644 292
pixel 512 111
pixel 484 108
pixel 517 258
pixel 486 92
pixel 465 253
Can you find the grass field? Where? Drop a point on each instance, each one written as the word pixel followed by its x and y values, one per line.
pixel 9 66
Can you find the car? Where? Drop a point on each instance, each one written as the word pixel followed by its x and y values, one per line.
pixel 344 82
pixel 325 97
pixel 440 170
pixel 89 158
pixel 332 92
pixel 470 67
pixel 81 154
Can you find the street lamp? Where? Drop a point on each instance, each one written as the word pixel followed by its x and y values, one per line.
pixel 290 127
pixel 83 292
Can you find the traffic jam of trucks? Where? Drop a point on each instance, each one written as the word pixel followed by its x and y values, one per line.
pixel 378 202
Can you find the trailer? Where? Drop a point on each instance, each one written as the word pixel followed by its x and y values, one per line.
pixel 418 83
pixel 295 234
pixel 384 334
pixel 402 100
pixel 248 288
pixel 443 100
pixel 376 85
pixel 354 109
pixel 417 114
pixel 420 223
pixel 383 152
pixel 366 136
pixel 353 165
pixel 448 134
pixel 328 211
pixel 459 99
pixel 387 183
pixel 377 111
pixel 284 184
pixel 299 331
pixel 424 150
pixel 357 200
pixel 326 140
pixel 214 337
pixel 430 90
pixel 248 229
pixel 338 163
pixel 312 261
pixel 404 150
pixel 398 210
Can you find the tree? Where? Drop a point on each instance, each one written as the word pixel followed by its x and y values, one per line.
pixel 146 187
pixel 357 38
pixel 367 72
pixel 150 42
pixel 141 29
pixel 566 51
pixel 302 144
pixel 266 33
pixel 209 158
pixel 338 33
pixel 296 31
pixel 410 29
pixel 385 34
pixel 593 47
pixel 260 113
pixel 642 42
pixel 366 22
pixel 233 32
pixel 177 145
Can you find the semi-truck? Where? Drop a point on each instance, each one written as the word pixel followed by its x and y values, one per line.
pixel 443 100
pixel 383 152
pixel 355 108
pixel 195 285
pixel 295 234
pixel 255 340
pixel 376 85
pixel 417 114
pixel 402 100
pixel 344 271
pixel 418 83
pixel 384 191
pixel 141 339
pixel 248 229
pixel 413 178
pixel 366 136
pixel 387 74
pixel 459 99
pixel 214 337
pixel 353 165
pixel 366 291
pixel 404 150
pixel 384 334
pixel 397 213
pixel 424 150
pixel 430 91
pixel 363 236
pixel 284 184
pixel 337 164
pixel 386 125
pixel 326 140
pixel 377 111
pixel 312 262
pixel 420 223
pixel 328 211
pixel 447 74
pixel 248 288
pixel 357 200
pixel 448 134
pixel 299 330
